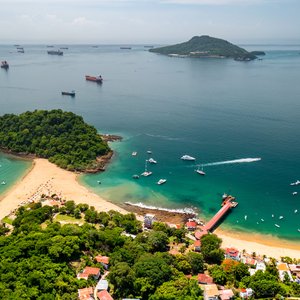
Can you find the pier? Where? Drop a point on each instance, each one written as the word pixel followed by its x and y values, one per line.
pixel 227 204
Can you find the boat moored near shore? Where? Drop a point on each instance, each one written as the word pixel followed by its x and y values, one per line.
pixel 4 65
pixel 72 93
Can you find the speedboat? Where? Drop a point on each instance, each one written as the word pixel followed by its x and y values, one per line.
pixel 295 193
pixel 277 225
pixel 152 161
pixel 3 182
pixel 161 181
pixel 149 152
pixel 281 217
pixel 134 153
pixel 146 173
pixel 201 172
pixel 187 157
pixel 135 176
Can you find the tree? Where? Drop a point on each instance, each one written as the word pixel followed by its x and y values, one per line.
pixel 157 241
pixel 196 262
pixel 210 248
pixel 218 274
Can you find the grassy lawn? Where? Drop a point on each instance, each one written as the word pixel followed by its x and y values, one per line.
pixel 68 219
pixel 7 220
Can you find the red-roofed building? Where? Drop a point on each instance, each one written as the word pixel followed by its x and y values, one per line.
pixel 86 293
pixel 104 260
pixel 198 234
pixel 191 225
pixel 232 253
pixel 89 272
pixel 226 294
pixel 104 295
pixel 197 246
pixel 205 279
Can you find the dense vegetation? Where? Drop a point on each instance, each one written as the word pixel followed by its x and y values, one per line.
pixel 206 46
pixel 62 137
pixel 40 259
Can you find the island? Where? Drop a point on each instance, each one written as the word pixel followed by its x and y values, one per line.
pixel 206 46
pixel 61 137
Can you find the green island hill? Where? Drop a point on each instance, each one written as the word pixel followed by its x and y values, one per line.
pixel 206 46
pixel 61 137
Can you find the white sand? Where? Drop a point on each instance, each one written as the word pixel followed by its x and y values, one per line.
pixel 46 178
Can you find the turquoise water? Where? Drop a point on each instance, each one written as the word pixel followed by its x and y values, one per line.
pixel 215 110
pixel 10 171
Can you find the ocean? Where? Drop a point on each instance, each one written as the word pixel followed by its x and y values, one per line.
pixel 240 120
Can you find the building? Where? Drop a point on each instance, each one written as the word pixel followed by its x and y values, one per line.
pixel 104 295
pixel 232 253
pixel 103 260
pixel 204 279
pixel 191 225
pixel 86 294
pixel 197 246
pixel 295 270
pixel 260 265
pixel 102 285
pixel 210 291
pixel 284 269
pixel 226 294
pixel 89 272
pixel 149 219
pixel 246 293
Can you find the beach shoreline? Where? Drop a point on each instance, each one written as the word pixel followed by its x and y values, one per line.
pixel 46 178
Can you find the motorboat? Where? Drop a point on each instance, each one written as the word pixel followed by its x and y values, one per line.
pixel 72 93
pixel 281 217
pixel 152 161
pixel 134 153
pixel 3 182
pixel 161 181
pixel 277 225
pixel 146 173
pixel 55 52
pixel 201 172
pixel 295 193
pixel 187 157
pixel 135 176
pixel 4 65
pixel 97 79
pixel 149 152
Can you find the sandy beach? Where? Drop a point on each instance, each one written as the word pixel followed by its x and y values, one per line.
pixel 46 178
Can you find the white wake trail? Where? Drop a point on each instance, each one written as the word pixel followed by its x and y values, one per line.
pixel 235 161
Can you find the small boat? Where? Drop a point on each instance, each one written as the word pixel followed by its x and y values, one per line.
pixel 297 182
pixel 50 46
pixel 245 217
pixel 152 161
pixel 97 79
pixel 135 176
pixel 201 172
pixel 272 216
pixel 295 211
pixel 4 65
pixel 298 230
pixel 124 48
pixel 295 193
pixel 187 157
pixel 72 93
pixel 262 220
pixel 277 225
pixel 21 51
pixel 281 217
pixel 149 152
pixel 146 172
pixel 3 182
pixel 98 181
pixel 55 52
pixel 64 48
pixel 161 181
pixel 134 153
pixel 20 48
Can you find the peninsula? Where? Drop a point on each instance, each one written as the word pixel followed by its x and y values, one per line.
pixel 61 137
pixel 206 46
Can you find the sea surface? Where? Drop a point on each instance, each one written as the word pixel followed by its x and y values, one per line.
pixel 240 120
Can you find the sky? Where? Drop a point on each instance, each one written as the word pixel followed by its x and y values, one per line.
pixel 148 21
